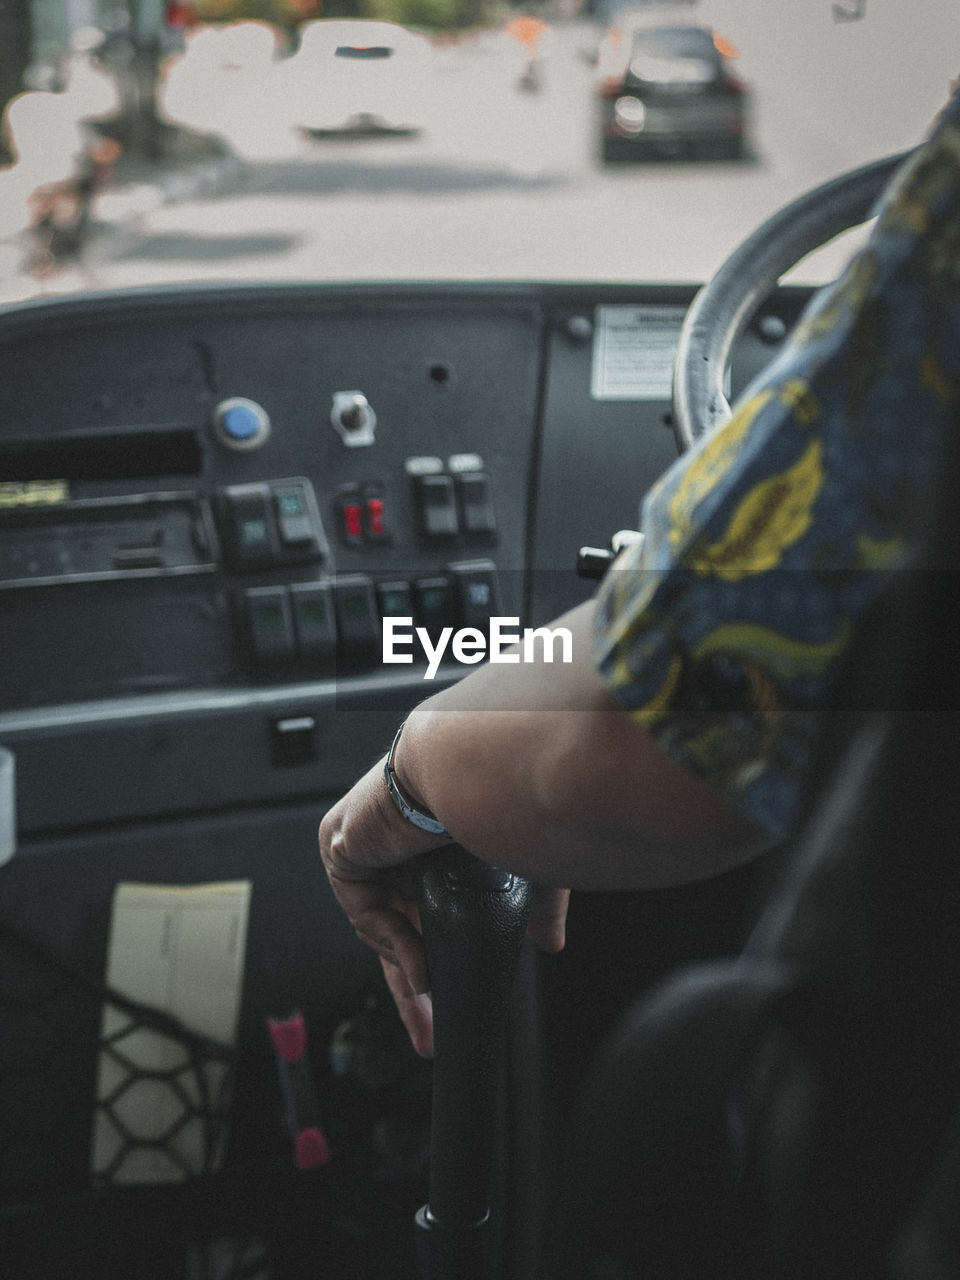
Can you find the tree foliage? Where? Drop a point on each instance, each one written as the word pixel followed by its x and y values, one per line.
pixel 427 15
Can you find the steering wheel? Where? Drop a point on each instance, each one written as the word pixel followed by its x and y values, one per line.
pixel 725 305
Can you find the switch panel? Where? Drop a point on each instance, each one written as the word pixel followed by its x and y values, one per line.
pixel 453 502
pixel 271 524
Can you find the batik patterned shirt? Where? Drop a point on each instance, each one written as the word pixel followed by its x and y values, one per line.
pixel 724 632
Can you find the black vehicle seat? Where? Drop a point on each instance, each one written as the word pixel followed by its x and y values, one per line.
pixel 796 1112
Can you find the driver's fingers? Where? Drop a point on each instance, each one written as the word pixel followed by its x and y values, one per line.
pixel 415 1009
pixel 396 941
pixel 547 921
pixel 388 924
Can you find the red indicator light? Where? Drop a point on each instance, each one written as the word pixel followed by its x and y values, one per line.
pixel 375 516
pixel 352 520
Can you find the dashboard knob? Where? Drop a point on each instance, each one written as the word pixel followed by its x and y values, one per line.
pixel 353 418
pixel 578 328
pixel 239 423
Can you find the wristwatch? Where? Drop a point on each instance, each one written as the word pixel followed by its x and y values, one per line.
pixel 419 817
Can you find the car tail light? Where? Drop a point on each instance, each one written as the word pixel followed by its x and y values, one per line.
pixel 629 115
pixel 610 87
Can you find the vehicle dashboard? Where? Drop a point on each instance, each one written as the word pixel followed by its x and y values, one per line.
pixel 209 498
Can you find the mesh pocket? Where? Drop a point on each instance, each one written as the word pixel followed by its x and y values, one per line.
pixel 97 1090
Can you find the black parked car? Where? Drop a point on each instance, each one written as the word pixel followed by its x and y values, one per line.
pixel 670 91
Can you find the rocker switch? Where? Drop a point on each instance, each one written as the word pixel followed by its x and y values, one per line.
pixel 293 516
pixel 437 504
pixel 476 503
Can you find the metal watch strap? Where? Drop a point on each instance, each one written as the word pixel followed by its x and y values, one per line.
pixel 408 809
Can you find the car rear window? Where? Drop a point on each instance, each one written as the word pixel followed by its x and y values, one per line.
pixel 363 51
pixel 675 58
pixel 676 42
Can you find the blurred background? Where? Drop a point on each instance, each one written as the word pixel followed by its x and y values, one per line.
pixel 145 141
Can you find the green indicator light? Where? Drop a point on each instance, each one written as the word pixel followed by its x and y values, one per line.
pixel 253 533
pixel 290 504
pixel 394 603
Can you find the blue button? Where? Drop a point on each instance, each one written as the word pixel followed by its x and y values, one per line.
pixel 240 422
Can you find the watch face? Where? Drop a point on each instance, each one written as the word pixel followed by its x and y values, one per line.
pixel 425 821
pixel 413 815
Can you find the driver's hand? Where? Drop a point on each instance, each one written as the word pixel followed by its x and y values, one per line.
pixel 370 854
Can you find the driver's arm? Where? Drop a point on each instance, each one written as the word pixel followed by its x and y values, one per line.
pixel 535 768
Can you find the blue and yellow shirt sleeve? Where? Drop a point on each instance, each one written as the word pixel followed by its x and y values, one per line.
pixel 724 632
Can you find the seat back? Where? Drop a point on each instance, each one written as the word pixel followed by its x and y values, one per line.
pixel 797 1113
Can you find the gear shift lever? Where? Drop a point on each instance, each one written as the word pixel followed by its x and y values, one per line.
pixel 473 919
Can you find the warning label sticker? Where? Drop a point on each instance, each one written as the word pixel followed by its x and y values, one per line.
pixel 633 352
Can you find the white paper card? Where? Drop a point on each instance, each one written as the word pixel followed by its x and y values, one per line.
pixel 633 352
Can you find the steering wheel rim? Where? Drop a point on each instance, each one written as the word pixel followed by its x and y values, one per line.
pixel 725 305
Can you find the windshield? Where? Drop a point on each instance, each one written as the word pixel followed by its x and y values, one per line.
pixel 227 140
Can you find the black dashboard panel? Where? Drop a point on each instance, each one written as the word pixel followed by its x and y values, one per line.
pixel 162 572
pixel 210 499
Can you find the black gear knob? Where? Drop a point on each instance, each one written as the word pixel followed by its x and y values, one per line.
pixel 473 919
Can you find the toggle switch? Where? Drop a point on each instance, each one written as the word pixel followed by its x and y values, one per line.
pixel 353 418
